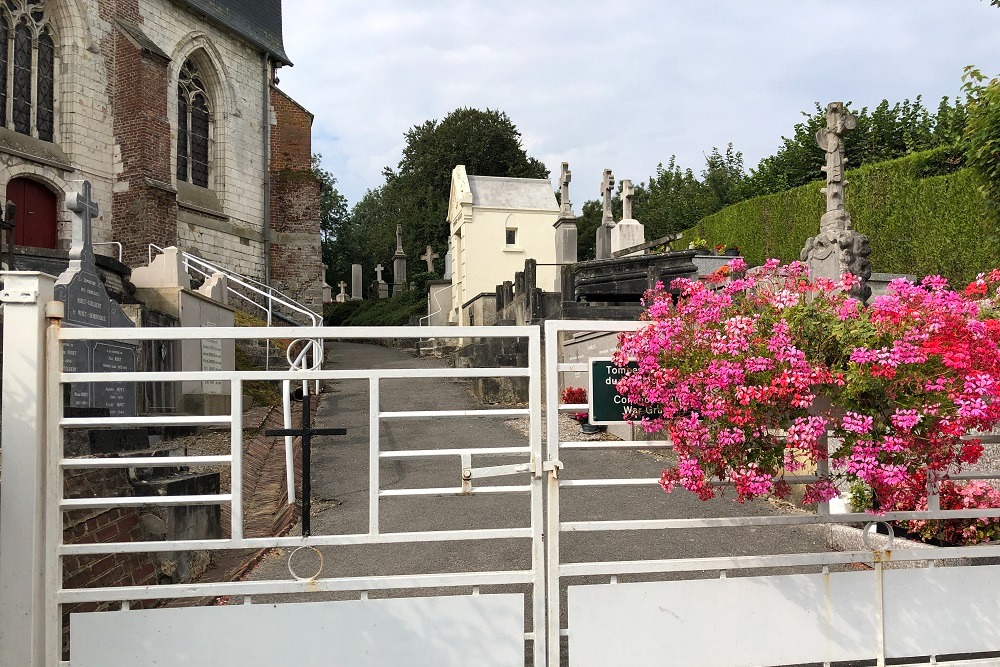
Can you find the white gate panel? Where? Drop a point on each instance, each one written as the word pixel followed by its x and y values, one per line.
pixel 732 622
pixel 456 631
pixel 941 610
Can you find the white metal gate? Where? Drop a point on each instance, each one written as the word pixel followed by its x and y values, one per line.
pixel 723 610
pixel 462 627
pixel 687 611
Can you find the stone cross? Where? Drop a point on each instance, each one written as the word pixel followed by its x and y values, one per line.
pixel 831 140
pixel 627 193
pixel 343 289
pixel 80 201
pixel 378 272
pixel 607 191
pixel 564 180
pixel 838 248
pixel 429 257
pixel 399 240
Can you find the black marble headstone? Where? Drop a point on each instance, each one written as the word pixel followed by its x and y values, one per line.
pixel 88 305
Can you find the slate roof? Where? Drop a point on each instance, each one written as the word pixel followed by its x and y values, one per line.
pixel 515 193
pixel 257 21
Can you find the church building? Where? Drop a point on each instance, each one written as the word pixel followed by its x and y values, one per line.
pixel 170 109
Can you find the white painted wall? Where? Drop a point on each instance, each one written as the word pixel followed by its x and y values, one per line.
pixel 483 259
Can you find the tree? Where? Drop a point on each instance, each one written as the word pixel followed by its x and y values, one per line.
pixel 417 190
pixel 333 223
pixel 981 143
pixel 883 133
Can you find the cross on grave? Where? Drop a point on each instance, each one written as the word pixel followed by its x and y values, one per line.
pixel 306 432
pixel 429 257
pixel 564 181
pixel 378 272
pixel 627 193
pixel 82 203
pixel 607 191
pixel 399 241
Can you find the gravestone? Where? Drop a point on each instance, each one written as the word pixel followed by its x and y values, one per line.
pixel 429 257
pixel 342 297
pixel 603 248
pixel 357 287
pixel 628 233
pixel 566 230
pixel 837 249
pixel 399 264
pixel 88 305
pixel 383 287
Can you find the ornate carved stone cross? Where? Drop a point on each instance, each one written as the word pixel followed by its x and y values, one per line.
pixel 564 181
pixel 429 257
pixel 837 249
pixel 607 192
pixel 85 209
pixel 627 193
pixel 831 140
pixel 378 272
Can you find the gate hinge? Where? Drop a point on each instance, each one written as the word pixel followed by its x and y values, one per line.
pixel 19 296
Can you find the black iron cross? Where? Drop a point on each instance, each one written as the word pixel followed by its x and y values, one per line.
pixel 306 433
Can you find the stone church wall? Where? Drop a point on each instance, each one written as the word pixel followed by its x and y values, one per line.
pixel 116 117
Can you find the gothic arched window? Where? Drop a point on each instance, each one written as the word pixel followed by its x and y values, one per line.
pixel 27 65
pixel 194 120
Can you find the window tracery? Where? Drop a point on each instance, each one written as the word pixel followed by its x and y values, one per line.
pixel 194 125
pixel 27 69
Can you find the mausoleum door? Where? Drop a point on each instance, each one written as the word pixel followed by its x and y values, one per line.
pixel 36 213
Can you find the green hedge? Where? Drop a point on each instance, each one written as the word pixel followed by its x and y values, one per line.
pixel 922 215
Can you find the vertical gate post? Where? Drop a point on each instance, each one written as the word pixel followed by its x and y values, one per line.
pixel 22 488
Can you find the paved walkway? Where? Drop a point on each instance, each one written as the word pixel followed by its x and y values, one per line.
pixel 340 490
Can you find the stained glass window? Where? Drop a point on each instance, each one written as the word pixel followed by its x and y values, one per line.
pixel 45 118
pixel 182 134
pixel 194 123
pixel 4 46
pixel 27 69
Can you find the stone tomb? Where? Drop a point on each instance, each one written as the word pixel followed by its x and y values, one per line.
pixel 88 305
pixel 166 287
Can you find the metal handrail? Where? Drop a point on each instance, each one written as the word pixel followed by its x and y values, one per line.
pixel 270 296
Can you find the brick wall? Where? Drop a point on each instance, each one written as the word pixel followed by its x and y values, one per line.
pixel 89 526
pixel 142 214
pixel 296 255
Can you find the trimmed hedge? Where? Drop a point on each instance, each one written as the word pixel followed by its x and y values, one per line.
pixel 918 222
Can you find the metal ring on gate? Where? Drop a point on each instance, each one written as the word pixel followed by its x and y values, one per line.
pixel 867 529
pixel 295 361
pixel 295 574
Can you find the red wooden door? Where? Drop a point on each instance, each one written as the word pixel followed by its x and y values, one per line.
pixel 36 213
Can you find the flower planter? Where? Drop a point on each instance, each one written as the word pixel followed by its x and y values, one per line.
pixel 708 263
pixel 590 428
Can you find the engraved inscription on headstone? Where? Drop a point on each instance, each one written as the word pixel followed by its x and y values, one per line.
pixel 88 305
pixel 211 360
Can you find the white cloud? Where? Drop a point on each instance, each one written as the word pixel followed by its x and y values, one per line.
pixel 603 87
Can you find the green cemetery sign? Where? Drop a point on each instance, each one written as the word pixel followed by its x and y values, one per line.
pixel 607 406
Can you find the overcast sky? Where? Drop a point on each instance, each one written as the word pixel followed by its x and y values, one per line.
pixel 619 85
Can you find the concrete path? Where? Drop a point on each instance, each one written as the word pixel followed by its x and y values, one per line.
pixel 340 491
